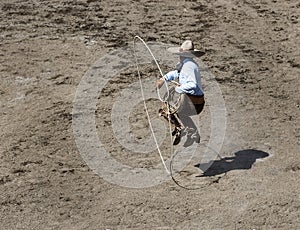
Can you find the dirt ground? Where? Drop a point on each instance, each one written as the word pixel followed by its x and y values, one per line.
pixel 252 48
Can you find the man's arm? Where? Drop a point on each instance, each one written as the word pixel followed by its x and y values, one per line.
pixel 188 87
pixel 171 76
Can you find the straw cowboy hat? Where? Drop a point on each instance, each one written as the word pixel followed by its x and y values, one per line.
pixel 186 50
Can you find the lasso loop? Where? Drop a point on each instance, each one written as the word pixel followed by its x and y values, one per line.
pixel 145 105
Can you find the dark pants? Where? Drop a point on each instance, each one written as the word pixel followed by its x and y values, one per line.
pixel 188 108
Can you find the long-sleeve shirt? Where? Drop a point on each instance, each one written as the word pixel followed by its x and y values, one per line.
pixel 189 78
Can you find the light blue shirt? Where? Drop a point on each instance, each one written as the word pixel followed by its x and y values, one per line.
pixel 189 78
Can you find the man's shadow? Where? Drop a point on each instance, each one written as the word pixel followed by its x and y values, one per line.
pixel 242 160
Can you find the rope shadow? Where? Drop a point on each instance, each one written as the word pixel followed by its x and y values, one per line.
pixel 242 160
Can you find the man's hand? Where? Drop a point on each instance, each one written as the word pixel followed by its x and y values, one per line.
pixel 159 83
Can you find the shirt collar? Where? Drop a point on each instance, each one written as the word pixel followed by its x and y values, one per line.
pixel 187 59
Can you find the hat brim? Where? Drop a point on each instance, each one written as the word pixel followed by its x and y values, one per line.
pixel 191 53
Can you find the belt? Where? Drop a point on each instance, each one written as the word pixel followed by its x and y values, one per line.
pixel 196 99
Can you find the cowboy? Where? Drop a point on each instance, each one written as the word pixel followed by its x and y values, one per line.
pixel 190 90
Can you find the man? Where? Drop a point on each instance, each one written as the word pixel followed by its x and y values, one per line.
pixel 190 90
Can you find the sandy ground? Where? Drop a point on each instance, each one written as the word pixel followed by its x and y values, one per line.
pixel 252 47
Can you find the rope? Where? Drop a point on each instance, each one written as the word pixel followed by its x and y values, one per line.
pixel 192 188
pixel 145 105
